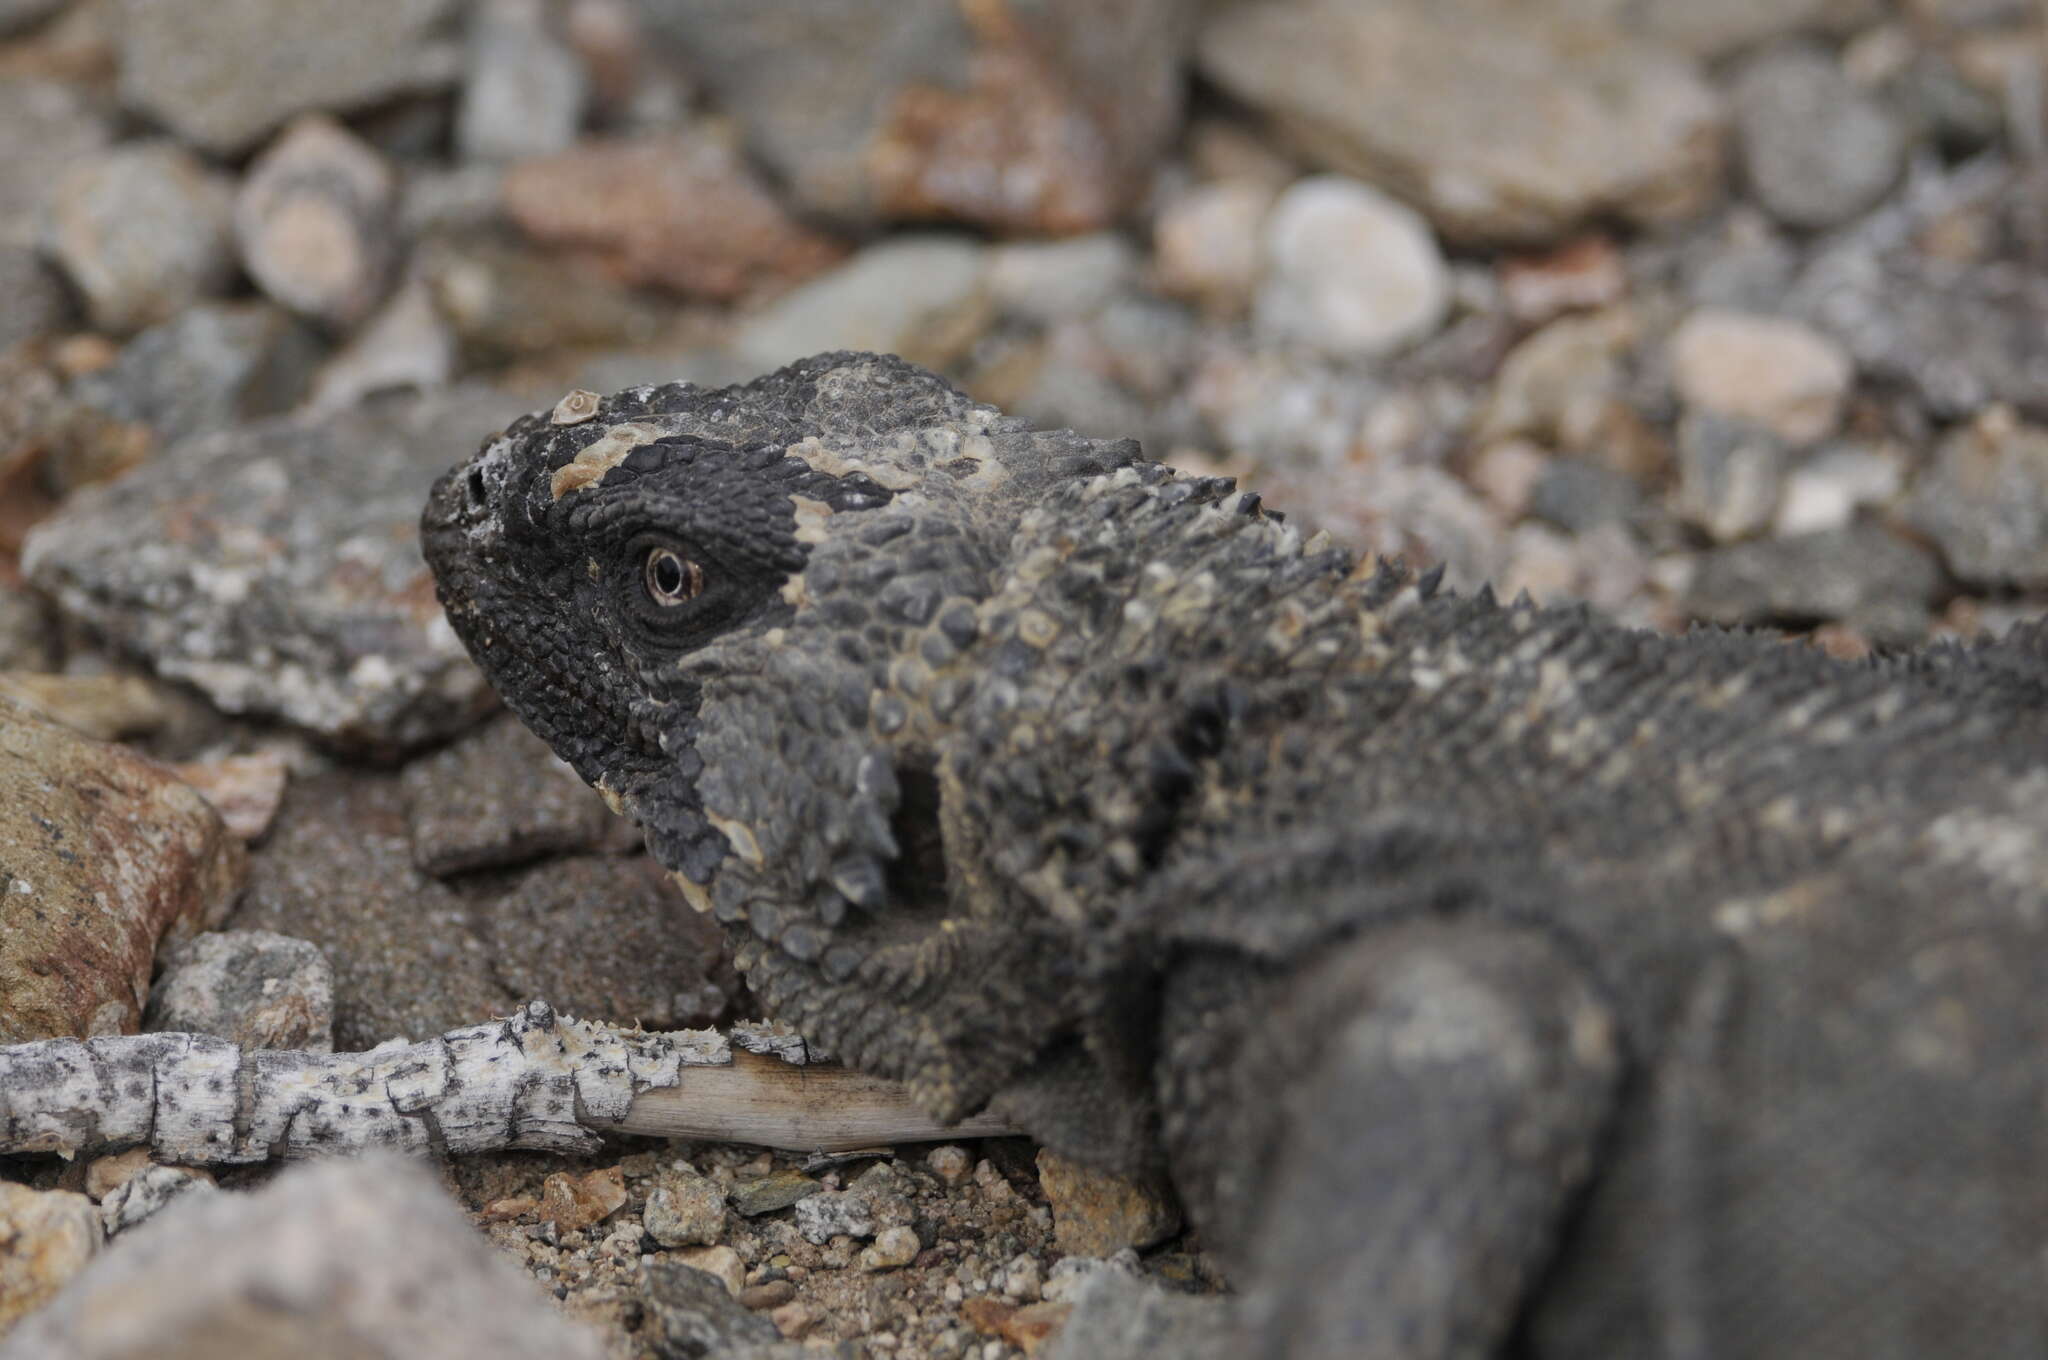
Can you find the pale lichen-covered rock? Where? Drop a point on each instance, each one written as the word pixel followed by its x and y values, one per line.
pixel 275 567
pixel 360 1258
pixel 102 855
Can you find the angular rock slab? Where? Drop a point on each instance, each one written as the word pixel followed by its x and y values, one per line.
pixel 364 1259
pixel 102 854
pixel 1500 125
pixel 277 568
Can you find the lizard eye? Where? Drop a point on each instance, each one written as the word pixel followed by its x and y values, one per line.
pixel 671 578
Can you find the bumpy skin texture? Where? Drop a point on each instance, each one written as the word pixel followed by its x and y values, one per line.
pixel 1490 978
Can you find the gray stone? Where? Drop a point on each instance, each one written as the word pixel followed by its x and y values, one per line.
pixel 609 938
pixel 776 1190
pixel 407 346
pixel 254 987
pixel 141 230
pixel 1048 281
pixel 910 295
pixel 1118 1316
pixel 1577 494
pixel 362 1258
pixel 210 367
pixel 36 302
pixel 1828 488
pixel 1047 121
pixel 502 301
pixel 223 73
pixel 1863 575
pixel 831 1213
pixel 149 1191
pixel 46 128
pixel 684 1209
pixel 499 797
pixel 291 585
pixel 1985 502
pixel 691 1314
pixel 1729 474
pixel 105 854
pixel 523 90
pixel 1349 272
pixel 314 220
pixel 1542 126
pixel 1959 339
pixel 1817 151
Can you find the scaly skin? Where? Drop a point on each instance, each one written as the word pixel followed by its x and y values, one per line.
pixel 1481 973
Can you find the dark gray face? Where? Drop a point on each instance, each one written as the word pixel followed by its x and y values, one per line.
pixel 583 553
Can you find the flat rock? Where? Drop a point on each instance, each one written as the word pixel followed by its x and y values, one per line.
pixel 1349 271
pixel 223 73
pixel 919 295
pixel 498 797
pixel 314 220
pixel 679 210
pixel 1985 502
pixel 363 1258
pixel 46 1238
pixel 46 128
pixel 104 855
pixel 1534 127
pixel 337 871
pixel 777 1190
pixel 141 230
pixel 1816 150
pixel 1780 374
pixel 1095 1213
pixel 1043 118
pixel 606 937
pixel 254 987
pixel 691 1313
pixel 276 567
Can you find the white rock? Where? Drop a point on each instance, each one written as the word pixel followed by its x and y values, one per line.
pixel 1827 491
pixel 1779 374
pixel 1349 271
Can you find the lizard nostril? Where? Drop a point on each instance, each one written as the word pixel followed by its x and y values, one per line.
pixel 475 484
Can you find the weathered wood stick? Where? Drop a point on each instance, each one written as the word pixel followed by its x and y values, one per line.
pixel 534 1081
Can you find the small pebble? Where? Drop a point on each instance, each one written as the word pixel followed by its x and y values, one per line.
pixel 1349 271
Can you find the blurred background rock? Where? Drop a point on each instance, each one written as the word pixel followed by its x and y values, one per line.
pixel 1679 307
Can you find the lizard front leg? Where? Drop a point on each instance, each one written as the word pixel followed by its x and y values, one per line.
pixel 1382 1142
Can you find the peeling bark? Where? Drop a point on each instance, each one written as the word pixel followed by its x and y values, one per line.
pixel 535 1080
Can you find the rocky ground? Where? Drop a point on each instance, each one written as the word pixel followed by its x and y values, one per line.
pixel 1731 311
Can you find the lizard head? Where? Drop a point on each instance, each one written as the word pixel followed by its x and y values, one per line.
pixel 726 609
